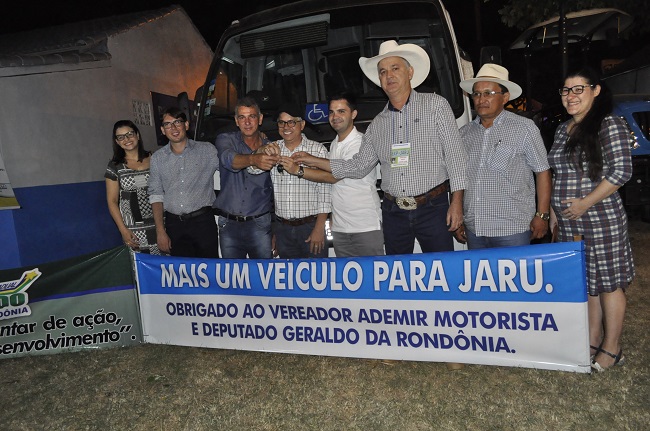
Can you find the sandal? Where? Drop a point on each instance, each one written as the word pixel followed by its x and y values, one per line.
pixel 597 349
pixel 618 360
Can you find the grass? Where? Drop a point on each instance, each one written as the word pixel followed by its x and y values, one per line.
pixel 162 387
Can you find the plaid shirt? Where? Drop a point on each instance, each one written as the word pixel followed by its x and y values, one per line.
pixel 184 182
pixel 436 154
pixel 500 195
pixel 297 197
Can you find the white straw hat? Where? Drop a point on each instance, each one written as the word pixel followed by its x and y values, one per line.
pixel 415 55
pixel 490 72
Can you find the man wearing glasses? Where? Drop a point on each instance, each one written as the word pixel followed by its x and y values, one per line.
pixel 301 206
pixel 504 204
pixel 181 191
pixel 356 211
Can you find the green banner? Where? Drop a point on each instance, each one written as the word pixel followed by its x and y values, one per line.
pixel 84 302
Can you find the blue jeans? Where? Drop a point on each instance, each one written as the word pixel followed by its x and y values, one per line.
pixel 427 223
pixel 290 241
pixel 242 238
pixel 476 242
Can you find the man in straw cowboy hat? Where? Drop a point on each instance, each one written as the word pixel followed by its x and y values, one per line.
pixel 503 151
pixel 416 141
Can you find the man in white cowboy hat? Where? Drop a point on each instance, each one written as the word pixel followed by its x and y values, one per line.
pixel 416 141
pixel 504 204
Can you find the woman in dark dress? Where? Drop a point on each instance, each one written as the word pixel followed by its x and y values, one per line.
pixel 591 160
pixel 127 177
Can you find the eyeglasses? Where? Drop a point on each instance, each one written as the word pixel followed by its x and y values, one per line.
pixel 290 123
pixel 485 94
pixel 576 89
pixel 127 135
pixel 176 123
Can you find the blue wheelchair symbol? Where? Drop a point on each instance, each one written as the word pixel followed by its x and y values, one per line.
pixel 317 113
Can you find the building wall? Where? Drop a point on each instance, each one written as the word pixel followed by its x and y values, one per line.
pixel 56 130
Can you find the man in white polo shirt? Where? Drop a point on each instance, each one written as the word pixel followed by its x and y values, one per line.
pixel 356 212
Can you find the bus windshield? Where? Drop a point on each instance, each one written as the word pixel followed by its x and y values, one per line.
pixel 309 57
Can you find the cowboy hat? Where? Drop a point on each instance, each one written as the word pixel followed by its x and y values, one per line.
pixel 490 72
pixel 416 56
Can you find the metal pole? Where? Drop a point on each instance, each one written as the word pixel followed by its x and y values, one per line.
pixel 529 80
pixel 564 44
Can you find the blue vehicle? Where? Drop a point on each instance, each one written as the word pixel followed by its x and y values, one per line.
pixel 635 110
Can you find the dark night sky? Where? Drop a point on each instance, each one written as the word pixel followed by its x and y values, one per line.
pixel 210 17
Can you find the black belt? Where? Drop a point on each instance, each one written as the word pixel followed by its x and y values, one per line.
pixel 296 221
pixel 218 212
pixel 185 217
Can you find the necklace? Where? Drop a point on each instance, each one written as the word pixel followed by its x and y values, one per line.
pixel 256 145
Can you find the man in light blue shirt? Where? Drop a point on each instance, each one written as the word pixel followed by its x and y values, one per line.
pixel 181 191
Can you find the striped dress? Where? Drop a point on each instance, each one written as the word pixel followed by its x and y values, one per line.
pixel 604 225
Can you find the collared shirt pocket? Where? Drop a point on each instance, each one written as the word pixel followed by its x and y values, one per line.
pixel 501 158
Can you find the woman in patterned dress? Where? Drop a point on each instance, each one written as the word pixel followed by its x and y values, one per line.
pixel 591 159
pixel 127 177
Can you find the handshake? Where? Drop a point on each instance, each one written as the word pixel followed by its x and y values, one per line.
pixel 268 156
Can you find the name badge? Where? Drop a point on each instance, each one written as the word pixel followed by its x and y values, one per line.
pixel 399 155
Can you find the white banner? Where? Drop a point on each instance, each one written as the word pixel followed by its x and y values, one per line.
pixel 516 306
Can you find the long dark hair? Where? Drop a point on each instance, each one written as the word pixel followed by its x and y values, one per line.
pixel 119 155
pixel 583 143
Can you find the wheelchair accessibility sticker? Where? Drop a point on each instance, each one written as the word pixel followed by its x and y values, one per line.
pixel 317 113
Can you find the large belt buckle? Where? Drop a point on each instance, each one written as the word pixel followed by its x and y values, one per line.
pixel 407 203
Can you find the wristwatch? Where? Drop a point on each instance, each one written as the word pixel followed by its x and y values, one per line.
pixel 543 216
pixel 301 172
